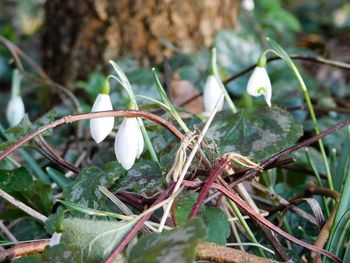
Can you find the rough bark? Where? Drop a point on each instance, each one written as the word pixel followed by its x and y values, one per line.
pixel 81 35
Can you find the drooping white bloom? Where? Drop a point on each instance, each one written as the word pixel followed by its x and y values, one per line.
pixel 15 110
pixel 129 143
pixel 248 5
pixel 101 127
pixel 55 239
pixel 212 94
pixel 259 84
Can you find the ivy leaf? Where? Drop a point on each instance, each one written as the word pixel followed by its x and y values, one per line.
pixel 256 134
pixel 143 177
pixel 179 244
pixel 84 191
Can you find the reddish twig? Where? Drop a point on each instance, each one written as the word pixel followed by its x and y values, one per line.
pixel 252 173
pixel 250 212
pixel 205 189
pixel 137 227
pixel 91 115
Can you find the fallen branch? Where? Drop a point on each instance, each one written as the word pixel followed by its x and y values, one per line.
pixel 215 253
pixel 23 249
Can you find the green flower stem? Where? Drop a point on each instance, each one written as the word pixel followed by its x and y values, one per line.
pixel 279 51
pixel 214 70
pixel 315 122
pixel 36 169
pixel 169 106
pixel 245 226
pixel 124 82
pixel 318 178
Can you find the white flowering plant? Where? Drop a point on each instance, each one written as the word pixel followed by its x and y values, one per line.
pixel 224 147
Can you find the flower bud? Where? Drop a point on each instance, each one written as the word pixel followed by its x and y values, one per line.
pixel 15 110
pixel 100 128
pixel 212 94
pixel 129 143
pixel 259 84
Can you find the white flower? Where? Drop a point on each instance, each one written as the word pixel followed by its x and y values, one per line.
pixel 211 94
pixel 129 143
pixel 248 5
pixel 15 110
pixel 259 84
pixel 55 239
pixel 101 127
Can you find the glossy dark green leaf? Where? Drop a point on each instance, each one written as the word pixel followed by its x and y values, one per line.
pixel 256 134
pixel 84 191
pixel 143 177
pixel 178 245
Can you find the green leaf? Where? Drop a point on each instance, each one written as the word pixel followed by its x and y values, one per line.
pixel 339 237
pixel 15 180
pixel 59 178
pixel 27 229
pixel 256 134
pixel 143 177
pixel 25 127
pixel 84 191
pixel 215 220
pixel 183 207
pixel 96 239
pixel 20 184
pixel 218 225
pixel 178 244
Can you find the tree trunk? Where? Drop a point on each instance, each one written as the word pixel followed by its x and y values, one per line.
pixel 80 36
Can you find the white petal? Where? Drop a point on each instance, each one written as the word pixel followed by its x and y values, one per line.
pixel 141 144
pixel 127 142
pixel 15 110
pixel 211 94
pixel 248 5
pixel 55 239
pixel 259 84
pixel 100 128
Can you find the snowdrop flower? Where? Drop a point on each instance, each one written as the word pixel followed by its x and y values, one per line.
pixel 55 239
pixel 248 5
pixel 259 82
pixel 211 94
pixel 100 128
pixel 15 108
pixel 129 143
